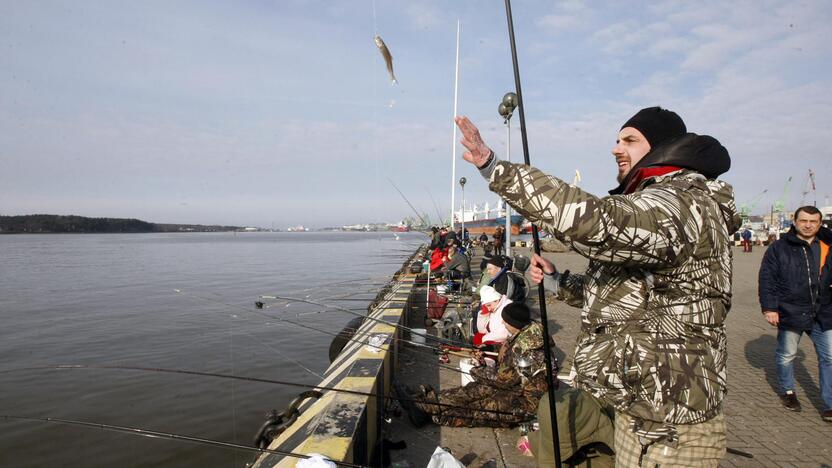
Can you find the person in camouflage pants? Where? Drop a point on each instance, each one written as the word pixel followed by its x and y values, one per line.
pixel 498 397
pixel 658 285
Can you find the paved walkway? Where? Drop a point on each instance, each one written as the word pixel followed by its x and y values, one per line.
pixel 757 423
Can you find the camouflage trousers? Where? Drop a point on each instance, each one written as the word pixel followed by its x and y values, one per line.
pixel 700 445
pixel 480 401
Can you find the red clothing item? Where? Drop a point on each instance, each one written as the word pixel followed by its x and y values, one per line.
pixel 646 172
pixel 477 340
pixel 437 258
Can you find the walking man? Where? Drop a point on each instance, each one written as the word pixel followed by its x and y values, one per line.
pixel 658 285
pixel 795 280
pixel 746 240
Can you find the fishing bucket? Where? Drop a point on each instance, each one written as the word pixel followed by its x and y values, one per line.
pixel 465 366
pixel 417 335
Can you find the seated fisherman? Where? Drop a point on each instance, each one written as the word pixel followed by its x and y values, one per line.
pixel 456 266
pixel 499 397
pixel 490 266
pixel 490 327
pixel 434 238
pixel 498 274
pixel 437 258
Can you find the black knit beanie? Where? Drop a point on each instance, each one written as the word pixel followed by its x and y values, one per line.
pixel 657 125
pixel 517 315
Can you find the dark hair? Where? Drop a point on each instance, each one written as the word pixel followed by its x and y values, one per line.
pixel 809 210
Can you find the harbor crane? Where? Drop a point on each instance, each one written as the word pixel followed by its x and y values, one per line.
pixel 809 187
pixel 747 208
pixel 780 205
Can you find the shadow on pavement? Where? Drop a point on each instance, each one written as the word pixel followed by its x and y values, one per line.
pixel 760 354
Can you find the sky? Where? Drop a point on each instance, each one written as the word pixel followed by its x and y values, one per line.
pixel 279 113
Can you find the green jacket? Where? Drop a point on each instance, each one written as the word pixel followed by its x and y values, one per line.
pixel 656 291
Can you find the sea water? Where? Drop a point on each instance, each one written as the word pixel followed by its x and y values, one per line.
pixel 177 301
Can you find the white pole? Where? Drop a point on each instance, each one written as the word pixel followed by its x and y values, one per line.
pixel 427 292
pixel 508 208
pixel 453 156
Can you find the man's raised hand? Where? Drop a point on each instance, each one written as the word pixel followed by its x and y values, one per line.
pixel 478 152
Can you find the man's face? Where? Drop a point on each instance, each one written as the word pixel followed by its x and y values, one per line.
pixel 630 147
pixel 807 225
pixel 492 270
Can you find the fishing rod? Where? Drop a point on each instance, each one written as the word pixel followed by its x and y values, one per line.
pixel 166 435
pixel 334 307
pixel 217 375
pixel 550 380
pixel 435 206
pixel 433 350
pixel 424 223
pixel 353 339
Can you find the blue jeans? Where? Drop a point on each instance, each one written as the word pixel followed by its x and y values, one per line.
pixel 787 341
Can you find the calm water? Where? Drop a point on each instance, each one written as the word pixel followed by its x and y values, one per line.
pixel 112 299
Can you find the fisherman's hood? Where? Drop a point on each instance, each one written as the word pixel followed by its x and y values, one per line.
pixel 723 194
pixel 700 153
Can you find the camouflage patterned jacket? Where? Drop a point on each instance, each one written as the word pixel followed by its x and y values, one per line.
pixel 656 291
pixel 528 343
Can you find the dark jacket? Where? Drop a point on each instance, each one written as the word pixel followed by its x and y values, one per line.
pixel 786 286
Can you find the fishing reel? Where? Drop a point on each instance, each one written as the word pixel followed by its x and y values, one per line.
pixel 276 423
pixel 523 364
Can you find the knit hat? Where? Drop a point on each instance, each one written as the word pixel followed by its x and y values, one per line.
pixel 500 261
pixel 517 315
pixel 489 294
pixel 657 125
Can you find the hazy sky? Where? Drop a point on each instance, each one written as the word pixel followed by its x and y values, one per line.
pixel 281 112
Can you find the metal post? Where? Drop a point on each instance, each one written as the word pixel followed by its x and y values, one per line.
pixel 508 208
pixel 462 184
pixel 544 318
pixel 453 152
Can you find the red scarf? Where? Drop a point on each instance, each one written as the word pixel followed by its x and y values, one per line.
pixel 645 173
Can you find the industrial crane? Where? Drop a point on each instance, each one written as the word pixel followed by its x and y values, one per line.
pixel 780 205
pixel 809 187
pixel 747 208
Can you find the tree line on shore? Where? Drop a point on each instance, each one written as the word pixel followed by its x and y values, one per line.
pixel 45 223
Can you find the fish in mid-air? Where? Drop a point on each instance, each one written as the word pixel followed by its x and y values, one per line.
pixel 388 59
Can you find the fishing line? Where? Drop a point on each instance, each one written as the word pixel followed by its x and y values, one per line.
pixel 233 383
pixel 163 370
pixel 334 307
pixel 355 339
pixel 165 435
pixel 282 354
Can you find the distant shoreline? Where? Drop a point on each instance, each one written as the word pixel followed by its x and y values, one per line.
pixel 60 224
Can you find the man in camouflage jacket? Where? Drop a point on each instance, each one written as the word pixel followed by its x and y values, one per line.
pixel 498 397
pixel 658 285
